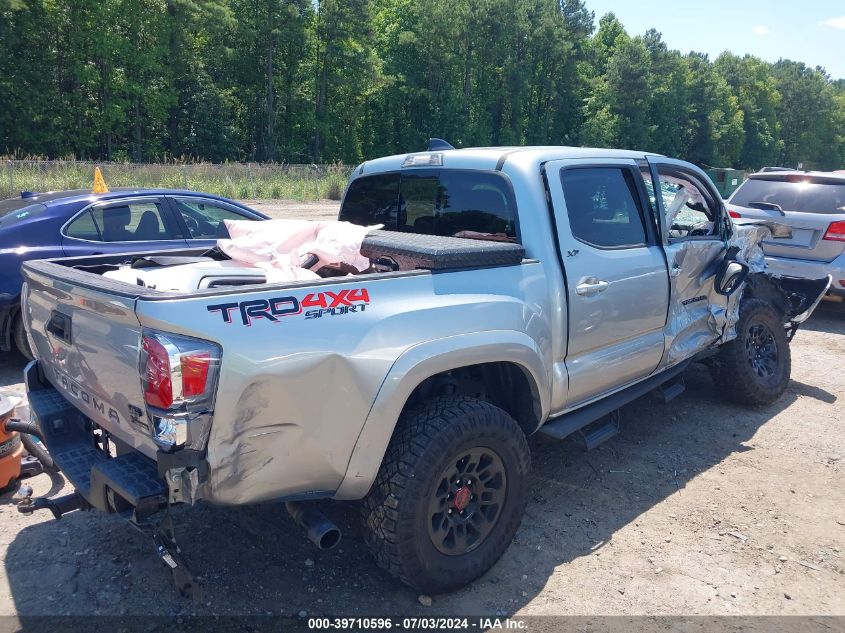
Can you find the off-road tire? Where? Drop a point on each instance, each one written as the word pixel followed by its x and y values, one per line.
pixel 19 337
pixel 396 512
pixel 733 372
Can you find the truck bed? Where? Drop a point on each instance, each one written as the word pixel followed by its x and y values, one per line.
pixel 302 361
pixel 395 252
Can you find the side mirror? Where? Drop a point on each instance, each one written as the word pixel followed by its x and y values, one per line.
pixel 729 277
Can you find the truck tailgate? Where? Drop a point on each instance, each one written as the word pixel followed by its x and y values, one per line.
pixel 87 341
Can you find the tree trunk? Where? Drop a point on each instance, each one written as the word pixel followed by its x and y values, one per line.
pixel 320 97
pixel 270 132
pixel 136 115
pixel 467 79
pixel 173 115
pixel 105 103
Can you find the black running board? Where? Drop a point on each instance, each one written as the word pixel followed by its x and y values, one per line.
pixel 670 390
pixel 565 425
pixel 598 436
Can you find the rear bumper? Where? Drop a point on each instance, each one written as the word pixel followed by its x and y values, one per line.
pixel 807 269
pixel 70 439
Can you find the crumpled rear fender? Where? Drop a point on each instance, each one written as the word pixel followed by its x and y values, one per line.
pixel 426 360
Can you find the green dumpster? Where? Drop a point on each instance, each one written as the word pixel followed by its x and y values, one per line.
pixel 726 180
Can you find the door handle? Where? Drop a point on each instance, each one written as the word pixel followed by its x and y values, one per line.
pixel 591 286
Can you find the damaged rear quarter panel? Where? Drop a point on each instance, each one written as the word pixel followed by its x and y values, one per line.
pixel 294 395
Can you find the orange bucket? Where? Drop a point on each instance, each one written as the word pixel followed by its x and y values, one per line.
pixel 11 449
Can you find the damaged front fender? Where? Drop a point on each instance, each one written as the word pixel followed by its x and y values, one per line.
pixel 701 317
pixel 796 298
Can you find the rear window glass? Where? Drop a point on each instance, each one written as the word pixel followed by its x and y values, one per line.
pixel 457 203
pixel 372 200
pixel 804 196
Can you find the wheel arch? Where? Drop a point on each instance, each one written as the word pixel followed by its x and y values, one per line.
pixel 509 353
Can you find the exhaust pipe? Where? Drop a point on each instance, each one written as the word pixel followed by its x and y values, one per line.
pixel 322 532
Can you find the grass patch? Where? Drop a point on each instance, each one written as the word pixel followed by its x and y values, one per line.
pixel 243 181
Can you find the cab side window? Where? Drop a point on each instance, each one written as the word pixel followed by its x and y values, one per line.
pixel 205 219
pixel 84 228
pixel 129 222
pixel 688 206
pixel 603 206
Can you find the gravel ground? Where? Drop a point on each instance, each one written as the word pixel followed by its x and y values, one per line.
pixel 319 210
pixel 698 507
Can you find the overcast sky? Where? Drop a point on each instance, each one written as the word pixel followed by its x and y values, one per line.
pixel 809 31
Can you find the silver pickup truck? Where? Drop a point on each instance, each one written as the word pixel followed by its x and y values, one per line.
pixel 512 291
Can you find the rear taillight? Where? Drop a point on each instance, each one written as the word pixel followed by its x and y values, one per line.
pixel 835 232
pixel 179 380
pixel 195 373
pixel 176 369
pixel 158 387
pixel 734 214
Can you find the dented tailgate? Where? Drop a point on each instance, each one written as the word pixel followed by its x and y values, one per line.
pixel 87 340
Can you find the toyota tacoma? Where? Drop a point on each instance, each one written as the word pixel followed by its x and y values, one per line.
pixel 511 291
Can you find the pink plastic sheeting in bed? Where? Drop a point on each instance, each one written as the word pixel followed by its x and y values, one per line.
pixel 281 246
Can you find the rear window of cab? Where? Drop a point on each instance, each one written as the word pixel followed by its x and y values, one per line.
pixel 453 202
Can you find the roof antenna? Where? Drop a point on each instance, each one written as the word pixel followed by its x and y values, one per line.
pixel 438 145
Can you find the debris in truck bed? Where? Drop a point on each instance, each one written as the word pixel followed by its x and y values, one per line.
pixel 285 245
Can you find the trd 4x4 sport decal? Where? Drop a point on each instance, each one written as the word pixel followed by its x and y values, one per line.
pixel 326 303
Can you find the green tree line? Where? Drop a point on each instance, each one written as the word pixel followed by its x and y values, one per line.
pixel 344 80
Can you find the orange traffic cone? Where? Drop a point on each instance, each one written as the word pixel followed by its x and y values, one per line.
pixel 99 182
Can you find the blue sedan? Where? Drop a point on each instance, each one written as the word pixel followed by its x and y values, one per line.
pixel 70 223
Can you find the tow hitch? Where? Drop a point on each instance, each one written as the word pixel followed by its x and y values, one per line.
pixel 59 506
pixel 161 532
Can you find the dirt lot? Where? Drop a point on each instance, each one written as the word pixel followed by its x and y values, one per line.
pixel 698 507
pixel 319 210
